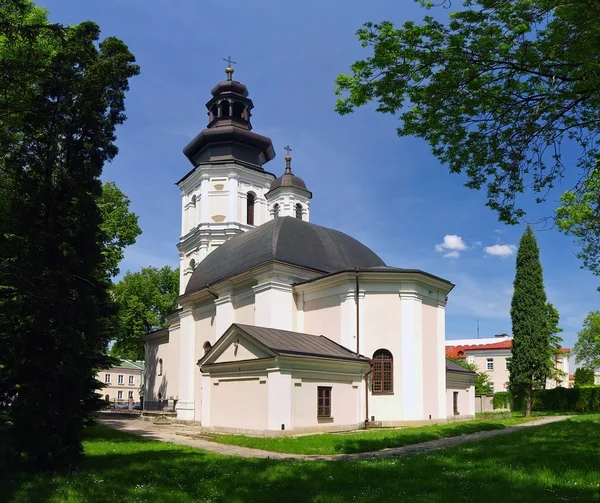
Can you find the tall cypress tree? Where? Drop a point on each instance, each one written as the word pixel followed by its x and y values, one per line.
pixel 531 362
pixel 63 96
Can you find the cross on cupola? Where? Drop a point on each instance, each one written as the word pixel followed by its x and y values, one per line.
pixel 288 159
pixel 229 69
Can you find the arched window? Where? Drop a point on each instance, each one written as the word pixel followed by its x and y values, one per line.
pixel 383 372
pixel 213 113
pixel 299 211
pixel 207 347
pixel 250 209
pixel 275 210
pixel 238 110
pixel 160 366
pixel 225 108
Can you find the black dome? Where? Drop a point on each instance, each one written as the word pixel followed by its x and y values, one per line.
pixel 283 239
pixel 288 180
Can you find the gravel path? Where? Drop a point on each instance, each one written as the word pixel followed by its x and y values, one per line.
pixel 191 436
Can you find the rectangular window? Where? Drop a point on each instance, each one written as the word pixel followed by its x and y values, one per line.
pixel 131 379
pixel 455 402
pixel 107 378
pixel 121 379
pixel 490 364
pixel 130 395
pixel 507 363
pixel 323 401
pixel 119 395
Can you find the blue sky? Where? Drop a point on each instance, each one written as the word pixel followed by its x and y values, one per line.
pixel 389 193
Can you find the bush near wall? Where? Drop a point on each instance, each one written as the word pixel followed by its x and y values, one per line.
pixel 503 400
pixel 583 399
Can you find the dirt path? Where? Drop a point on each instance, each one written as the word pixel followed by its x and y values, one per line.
pixel 189 435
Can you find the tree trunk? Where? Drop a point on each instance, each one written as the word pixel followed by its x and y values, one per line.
pixel 528 405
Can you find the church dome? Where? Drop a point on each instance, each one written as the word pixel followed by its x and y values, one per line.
pixel 288 179
pixel 283 239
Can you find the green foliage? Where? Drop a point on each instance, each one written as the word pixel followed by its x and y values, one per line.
pixel 62 97
pixel 483 386
pixel 584 377
pixel 587 347
pixel 532 352
pixel 496 89
pixel 578 217
pixel 582 399
pixel 144 300
pixel 119 225
pixel 503 400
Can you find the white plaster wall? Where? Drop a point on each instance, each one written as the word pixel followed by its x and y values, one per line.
pixel 345 402
pixel 239 403
pixel 466 401
pixel 165 383
pixel 205 332
pixel 431 366
pixel 323 317
pixel 245 350
pixel 244 310
pixel 382 330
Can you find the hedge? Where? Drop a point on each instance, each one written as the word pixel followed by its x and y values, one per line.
pixel 584 399
pixel 502 400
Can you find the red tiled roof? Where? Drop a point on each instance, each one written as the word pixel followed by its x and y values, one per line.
pixel 458 351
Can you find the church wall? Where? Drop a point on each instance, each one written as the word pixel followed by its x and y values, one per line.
pixel 218 205
pixel 431 368
pixel 244 309
pixel 239 403
pixel 165 382
pixel 465 388
pixel 345 402
pixel 382 330
pixel 204 324
pixel 322 317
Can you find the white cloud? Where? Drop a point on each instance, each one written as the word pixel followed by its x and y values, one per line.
pixel 500 250
pixel 451 246
pixel 477 243
pixel 452 254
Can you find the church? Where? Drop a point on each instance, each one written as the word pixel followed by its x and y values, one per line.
pixel 284 326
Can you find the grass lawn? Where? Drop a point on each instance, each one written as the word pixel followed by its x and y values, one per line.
pixel 556 462
pixel 365 441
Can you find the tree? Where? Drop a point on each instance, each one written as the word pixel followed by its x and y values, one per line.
pixel 482 381
pixel 144 300
pixel 584 377
pixel 555 348
pixel 62 97
pixel 587 347
pixel 497 90
pixel 119 225
pixel 531 363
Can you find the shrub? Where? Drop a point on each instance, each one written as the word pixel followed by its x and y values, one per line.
pixel 503 400
pixel 584 377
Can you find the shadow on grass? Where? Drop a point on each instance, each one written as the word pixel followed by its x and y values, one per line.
pixel 553 462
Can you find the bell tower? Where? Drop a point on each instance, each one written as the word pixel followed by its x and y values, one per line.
pixel 225 192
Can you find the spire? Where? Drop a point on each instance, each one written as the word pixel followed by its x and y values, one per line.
pixel 288 160
pixel 229 69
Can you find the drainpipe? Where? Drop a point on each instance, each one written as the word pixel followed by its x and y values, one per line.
pixel 357 313
pixel 367 395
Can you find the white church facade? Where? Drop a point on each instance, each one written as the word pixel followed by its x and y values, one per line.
pixel 286 326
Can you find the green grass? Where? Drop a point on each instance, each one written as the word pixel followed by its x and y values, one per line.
pixel 556 462
pixel 365 441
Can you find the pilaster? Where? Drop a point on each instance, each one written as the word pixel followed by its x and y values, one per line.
pixel 225 314
pixel 279 393
pixel 441 358
pixel 412 355
pixel 273 305
pixel 185 404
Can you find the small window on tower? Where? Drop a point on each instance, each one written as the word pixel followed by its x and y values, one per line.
pixel 238 110
pixel 299 211
pixel 250 209
pixel 224 108
pixel 192 264
pixel 194 199
pixel 275 210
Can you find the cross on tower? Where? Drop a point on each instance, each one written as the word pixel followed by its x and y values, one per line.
pixel 229 61
pixel 288 148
